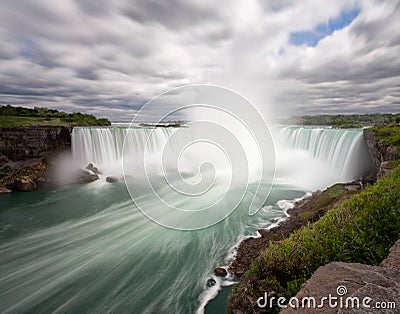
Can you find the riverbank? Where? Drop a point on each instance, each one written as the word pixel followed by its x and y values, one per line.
pixel 354 229
pixel 307 210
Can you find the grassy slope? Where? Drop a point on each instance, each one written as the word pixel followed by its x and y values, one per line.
pixel 361 229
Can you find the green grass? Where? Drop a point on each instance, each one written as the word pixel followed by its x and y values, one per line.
pixel 361 229
pixel 18 122
pixel 388 133
pixel 15 122
pixel 14 117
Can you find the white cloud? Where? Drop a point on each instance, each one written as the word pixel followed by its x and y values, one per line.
pixel 116 55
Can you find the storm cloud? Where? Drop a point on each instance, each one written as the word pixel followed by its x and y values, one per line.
pixel 109 57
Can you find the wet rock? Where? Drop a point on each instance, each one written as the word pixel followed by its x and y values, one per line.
pixel 87 177
pixel 112 179
pixel 4 190
pixel 92 168
pixel 220 271
pixel 25 184
pixel 264 232
pixel 211 282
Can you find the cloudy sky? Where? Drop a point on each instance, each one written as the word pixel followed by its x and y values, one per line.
pixel 288 57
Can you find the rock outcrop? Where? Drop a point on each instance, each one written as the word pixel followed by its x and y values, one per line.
pixel 25 154
pixel 25 184
pixel 24 175
pixel 353 282
pixel 87 177
pixel 34 142
pixel 380 153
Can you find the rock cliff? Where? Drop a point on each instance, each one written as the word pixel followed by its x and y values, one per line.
pixel 18 144
pixel 380 153
pixel 25 155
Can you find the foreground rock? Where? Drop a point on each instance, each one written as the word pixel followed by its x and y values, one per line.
pixel 359 282
pixel 351 282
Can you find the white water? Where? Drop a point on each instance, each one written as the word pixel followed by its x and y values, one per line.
pixel 315 158
pixel 89 249
pixel 306 157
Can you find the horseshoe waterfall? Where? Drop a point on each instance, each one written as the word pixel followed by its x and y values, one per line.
pixel 90 248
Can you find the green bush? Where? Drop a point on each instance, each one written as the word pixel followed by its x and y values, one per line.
pixel 11 116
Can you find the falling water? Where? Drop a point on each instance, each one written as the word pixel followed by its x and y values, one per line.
pixel 87 248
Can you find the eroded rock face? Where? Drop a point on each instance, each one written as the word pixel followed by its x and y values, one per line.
pixel 380 153
pixel 34 142
pixel 368 284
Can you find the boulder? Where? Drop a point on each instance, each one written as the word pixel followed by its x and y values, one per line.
pixel 211 282
pixel 92 168
pixel 87 177
pixel 112 179
pixel 25 184
pixel 220 271
pixel 349 280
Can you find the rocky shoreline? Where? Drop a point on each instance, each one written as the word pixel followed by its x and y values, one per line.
pixel 307 210
pixel 310 209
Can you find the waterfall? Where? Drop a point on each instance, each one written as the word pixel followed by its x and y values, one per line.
pixel 320 155
pixel 105 145
pixel 310 157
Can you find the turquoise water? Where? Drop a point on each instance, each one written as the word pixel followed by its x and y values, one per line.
pixel 88 248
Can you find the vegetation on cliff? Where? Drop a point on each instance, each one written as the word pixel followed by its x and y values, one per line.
pixel 346 121
pixel 389 134
pixel 11 116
